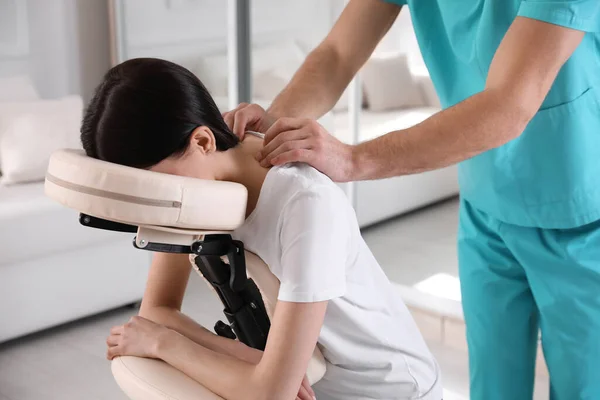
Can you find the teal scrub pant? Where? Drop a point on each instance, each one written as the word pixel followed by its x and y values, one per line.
pixel 516 281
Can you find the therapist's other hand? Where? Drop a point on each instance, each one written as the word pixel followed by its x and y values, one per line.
pixel 248 117
pixel 305 140
pixel 139 337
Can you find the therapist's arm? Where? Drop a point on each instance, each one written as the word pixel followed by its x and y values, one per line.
pixel 521 74
pixel 328 69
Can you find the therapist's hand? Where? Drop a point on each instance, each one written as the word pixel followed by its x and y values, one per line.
pixel 248 117
pixel 305 140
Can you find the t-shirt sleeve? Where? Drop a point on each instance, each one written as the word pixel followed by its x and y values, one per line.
pixel 582 15
pixel 315 240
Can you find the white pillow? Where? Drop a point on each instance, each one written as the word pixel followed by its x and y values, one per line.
pixel 285 57
pixel 31 131
pixel 17 88
pixel 282 59
pixel 268 84
pixel 388 83
pixel 212 71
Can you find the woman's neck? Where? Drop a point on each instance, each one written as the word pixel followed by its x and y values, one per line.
pixel 244 169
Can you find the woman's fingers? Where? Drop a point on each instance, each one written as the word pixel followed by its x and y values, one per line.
pixel 113 340
pixel 303 393
pixel 113 352
pixel 116 330
pixel 306 385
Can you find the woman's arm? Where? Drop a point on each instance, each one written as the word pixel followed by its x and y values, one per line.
pixel 167 281
pixel 277 376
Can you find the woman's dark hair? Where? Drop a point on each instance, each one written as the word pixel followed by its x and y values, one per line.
pixel 145 111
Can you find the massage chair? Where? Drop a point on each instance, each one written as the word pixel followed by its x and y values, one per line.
pixel 175 214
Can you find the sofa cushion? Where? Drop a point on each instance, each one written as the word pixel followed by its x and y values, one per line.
pixel 34 225
pixel 31 131
pixel 389 84
pixel 17 88
pixel 374 124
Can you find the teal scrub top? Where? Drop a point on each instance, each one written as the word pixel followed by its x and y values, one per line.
pixel 549 177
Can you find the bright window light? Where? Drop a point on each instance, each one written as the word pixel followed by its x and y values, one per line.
pixel 448 395
pixel 441 285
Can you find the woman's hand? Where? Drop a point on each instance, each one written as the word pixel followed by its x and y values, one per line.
pixel 305 392
pixel 138 337
pixel 141 337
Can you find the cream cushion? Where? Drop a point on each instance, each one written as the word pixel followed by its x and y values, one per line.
pixel 389 84
pixel 142 197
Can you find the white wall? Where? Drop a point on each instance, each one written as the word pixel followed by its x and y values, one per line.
pixel 401 38
pixel 66 44
pixel 175 29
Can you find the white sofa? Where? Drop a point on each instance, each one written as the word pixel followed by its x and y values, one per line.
pixel 377 201
pixel 53 270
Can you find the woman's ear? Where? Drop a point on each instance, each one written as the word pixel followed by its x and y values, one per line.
pixel 202 139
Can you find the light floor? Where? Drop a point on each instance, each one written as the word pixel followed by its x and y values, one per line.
pixel 68 362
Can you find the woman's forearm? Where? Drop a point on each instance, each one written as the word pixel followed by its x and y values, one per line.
pixel 227 376
pixel 181 323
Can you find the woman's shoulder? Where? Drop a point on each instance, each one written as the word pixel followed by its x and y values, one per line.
pixel 296 182
pixel 303 177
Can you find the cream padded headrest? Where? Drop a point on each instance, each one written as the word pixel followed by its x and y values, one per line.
pixel 142 197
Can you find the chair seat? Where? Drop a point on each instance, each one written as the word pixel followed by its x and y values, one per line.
pixel 144 378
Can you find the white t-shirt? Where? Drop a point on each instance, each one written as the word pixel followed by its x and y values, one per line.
pixel 305 229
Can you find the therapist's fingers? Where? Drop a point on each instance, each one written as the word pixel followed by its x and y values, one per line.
pixel 248 117
pixel 296 147
pixel 286 141
pixel 283 125
pixel 297 156
pixel 229 117
pixel 284 133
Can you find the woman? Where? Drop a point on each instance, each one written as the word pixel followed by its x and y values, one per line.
pixel 153 114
